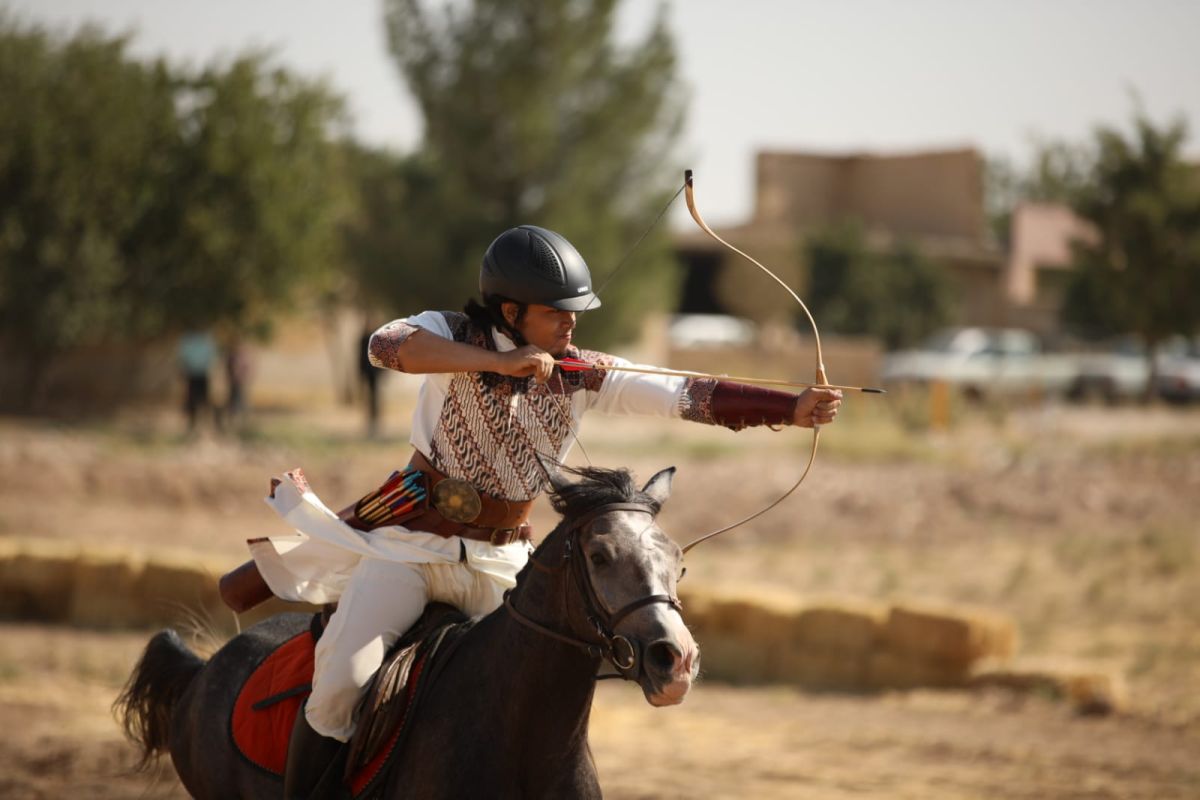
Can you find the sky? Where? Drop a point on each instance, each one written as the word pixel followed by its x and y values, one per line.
pixel 833 77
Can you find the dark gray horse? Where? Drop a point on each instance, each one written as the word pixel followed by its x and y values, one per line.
pixel 508 714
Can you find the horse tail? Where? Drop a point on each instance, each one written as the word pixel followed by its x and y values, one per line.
pixel 151 694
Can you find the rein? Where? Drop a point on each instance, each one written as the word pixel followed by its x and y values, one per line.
pixel 625 657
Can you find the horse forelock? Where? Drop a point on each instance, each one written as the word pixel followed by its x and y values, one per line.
pixel 599 486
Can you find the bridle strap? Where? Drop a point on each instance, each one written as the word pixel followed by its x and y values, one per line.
pixel 673 602
pixel 592 649
pixel 604 621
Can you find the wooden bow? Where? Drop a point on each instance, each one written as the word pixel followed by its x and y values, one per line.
pixel 821 379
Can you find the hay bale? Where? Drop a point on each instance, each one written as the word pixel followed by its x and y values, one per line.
pixel 821 670
pixel 955 637
pixel 891 670
pixel 104 594
pixel 1096 692
pixel 173 588
pixel 845 628
pixel 1023 680
pixel 1089 689
pixel 757 616
pixel 36 579
pixel 728 659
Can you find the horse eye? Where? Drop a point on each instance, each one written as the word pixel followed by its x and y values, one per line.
pixel 682 572
pixel 598 559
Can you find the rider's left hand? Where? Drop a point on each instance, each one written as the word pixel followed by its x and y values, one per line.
pixel 817 407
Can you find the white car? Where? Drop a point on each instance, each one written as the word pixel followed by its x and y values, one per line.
pixel 709 330
pixel 981 362
pixel 1179 374
pixel 1118 372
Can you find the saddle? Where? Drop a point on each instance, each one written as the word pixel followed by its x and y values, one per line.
pixel 269 700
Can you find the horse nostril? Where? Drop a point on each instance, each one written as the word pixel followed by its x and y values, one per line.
pixel 662 656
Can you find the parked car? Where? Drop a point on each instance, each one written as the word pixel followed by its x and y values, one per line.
pixel 709 330
pixel 981 362
pixel 1113 373
pixel 1179 373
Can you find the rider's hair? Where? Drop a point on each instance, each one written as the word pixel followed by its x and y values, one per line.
pixel 490 314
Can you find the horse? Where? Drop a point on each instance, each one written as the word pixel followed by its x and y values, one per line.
pixel 507 715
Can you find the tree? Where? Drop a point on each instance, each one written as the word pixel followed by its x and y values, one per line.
pixel 1057 175
pixel 533 115
pixel 1142 272
pixel 258 193
pixel 394 244
pixel 81 162
pixel 137 199
pixel 898 295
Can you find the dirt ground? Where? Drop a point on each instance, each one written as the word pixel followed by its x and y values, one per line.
pixel 1081 524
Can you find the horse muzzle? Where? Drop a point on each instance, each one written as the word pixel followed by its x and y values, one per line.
pixel 670 665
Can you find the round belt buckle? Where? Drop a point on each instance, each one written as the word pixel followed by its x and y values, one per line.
pixel 456 500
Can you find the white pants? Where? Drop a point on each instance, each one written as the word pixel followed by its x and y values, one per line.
pixel 380 602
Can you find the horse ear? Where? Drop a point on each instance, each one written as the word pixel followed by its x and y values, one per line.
pixel 553 472
pixel 659 487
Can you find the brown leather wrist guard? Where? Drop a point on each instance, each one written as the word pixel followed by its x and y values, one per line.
pixel 738 405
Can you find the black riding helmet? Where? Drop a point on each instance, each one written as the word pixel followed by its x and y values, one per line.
pixel 529 264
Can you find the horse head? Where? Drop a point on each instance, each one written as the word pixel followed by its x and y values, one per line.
pixel 621 596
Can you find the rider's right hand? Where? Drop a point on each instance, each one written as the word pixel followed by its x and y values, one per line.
pixel 526 361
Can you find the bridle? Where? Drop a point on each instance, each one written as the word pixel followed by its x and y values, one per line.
pixel 625 655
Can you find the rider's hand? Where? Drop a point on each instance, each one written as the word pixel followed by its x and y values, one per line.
pixel 526 361
pixel 817 407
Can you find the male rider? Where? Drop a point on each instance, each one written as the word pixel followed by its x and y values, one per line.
pixel 492 402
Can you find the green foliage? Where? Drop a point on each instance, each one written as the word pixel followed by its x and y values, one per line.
pixel 898 295
pixel 394 241
pixel 1141 273
pixel 82 145
pixel 532 115
pixel 1057 175
pixel 137 200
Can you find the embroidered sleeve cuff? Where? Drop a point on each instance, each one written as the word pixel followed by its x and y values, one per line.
pixel 695 401
pixel 383 349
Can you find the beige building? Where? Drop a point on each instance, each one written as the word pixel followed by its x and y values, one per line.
pixel 932 199
pixel 1039 261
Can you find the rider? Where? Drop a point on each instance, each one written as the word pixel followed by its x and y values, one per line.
pixel 492 402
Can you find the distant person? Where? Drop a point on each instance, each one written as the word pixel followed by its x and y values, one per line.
pixel 238 369
pixel 369 375
pixel 196 354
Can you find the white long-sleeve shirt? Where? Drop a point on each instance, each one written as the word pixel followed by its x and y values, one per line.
pixel 484 428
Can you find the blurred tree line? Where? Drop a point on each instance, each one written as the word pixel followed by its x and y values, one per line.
pixel 140 199
pixel 1141 274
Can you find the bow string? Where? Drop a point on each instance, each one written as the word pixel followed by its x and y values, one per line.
pixel 821 378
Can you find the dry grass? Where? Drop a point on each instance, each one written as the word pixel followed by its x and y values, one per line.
pixel 1080 524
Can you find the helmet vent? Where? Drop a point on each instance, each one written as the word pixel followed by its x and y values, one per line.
pixel 546 262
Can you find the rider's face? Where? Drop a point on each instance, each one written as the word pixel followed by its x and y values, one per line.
pixel 544 327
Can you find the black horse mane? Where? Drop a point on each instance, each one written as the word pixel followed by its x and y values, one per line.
pixel 599 486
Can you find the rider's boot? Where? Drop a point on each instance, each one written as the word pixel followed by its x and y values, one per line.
pixel 310 757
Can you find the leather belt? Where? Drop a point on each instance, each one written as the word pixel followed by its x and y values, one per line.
pixel 499 521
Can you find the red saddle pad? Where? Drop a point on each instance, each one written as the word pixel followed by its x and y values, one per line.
pixel 269 700
pixel 267 705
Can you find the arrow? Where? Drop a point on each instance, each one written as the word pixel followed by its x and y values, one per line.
pixel 576 365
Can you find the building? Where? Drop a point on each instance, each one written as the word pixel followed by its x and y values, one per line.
pixel 934 200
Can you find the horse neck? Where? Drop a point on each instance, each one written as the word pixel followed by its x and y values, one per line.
pixel 548 684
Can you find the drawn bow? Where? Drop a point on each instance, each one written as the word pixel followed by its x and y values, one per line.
pixel 820 380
